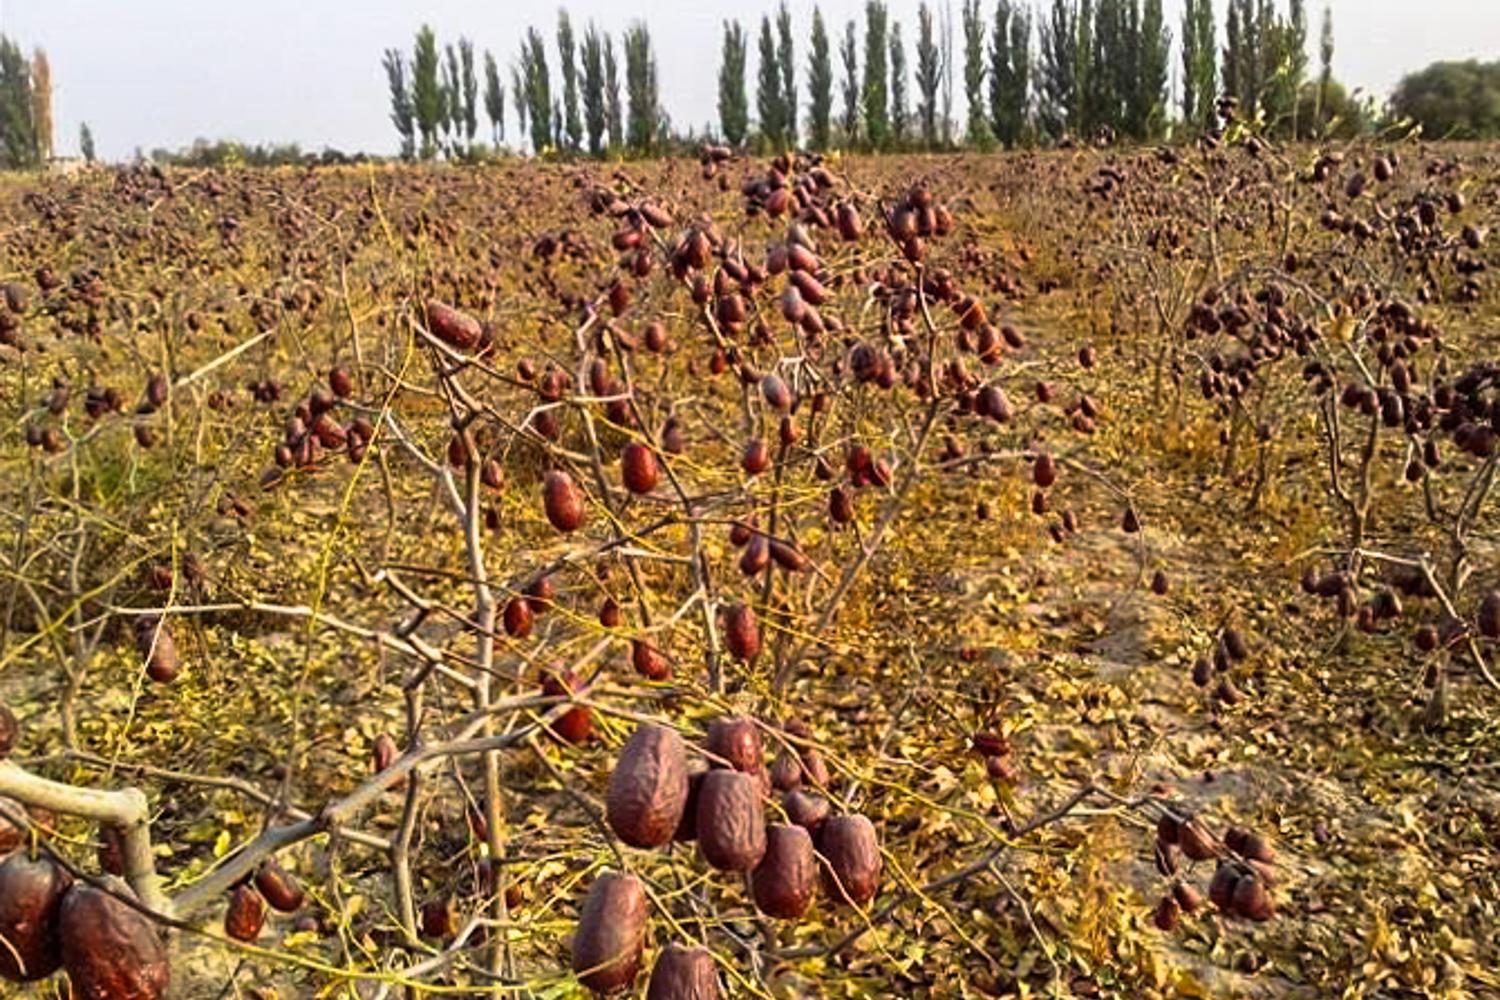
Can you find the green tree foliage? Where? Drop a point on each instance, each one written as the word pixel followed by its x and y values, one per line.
pixel 470 89
pixel 567 52
pixel 1325 110
pixel 929 76
pixel 17 134
pixel 849 59
pixel 1060 104
pixel 734 105
pixel 1199 62
pixel 1010 71
pixel 819 85
pixel 86 142
pixel 519 93
pixel 1325 58
pixel 612 95
pixel 644 119
pixel 494 98
pixel 876 92
pixel 595 103
pixel 768 94
pixel 786 61
pixel 538 90
pixel 900 108
pixel 1147 101
pixel 1452 99
pixel 453 107
pixel 402 112
pixel 428 100
pixel 978 129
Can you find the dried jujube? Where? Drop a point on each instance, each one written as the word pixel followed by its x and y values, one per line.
pixel 648 787
pixel 683 973
pixel 31 894
pixel 851 852
pixel 784 881
pixel 730 821
pixel 611 933
pixel 110 951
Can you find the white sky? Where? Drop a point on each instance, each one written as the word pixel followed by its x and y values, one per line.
pixel 152 73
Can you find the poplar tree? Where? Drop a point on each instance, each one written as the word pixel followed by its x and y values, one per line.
pixel 426 91
pixel 494 98
pixel 567 63
pixel 734 107
pixel 876 90
pixel 849 58
pixel 929 74
pixel 819 85
pixel 644 109
pixel 977 132
pixel 787 63
pixel 402 113
pixel 900 114
pixel 768 95
pixel 595 109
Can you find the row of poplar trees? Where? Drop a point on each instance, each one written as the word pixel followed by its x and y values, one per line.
pixel 25 108
pixel 1078 67
pixel 435 94
pixel 1029 73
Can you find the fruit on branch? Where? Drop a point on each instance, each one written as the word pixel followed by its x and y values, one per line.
pixel 31 894
pixel 648 788
pixel 341 382
pixel 110 951
pixel 851 853
pixel 539 594
pixel 1130 523
pixel 153 640
pixel 730 822
pixel 783 883
pixel 246 914
pixel 775 392
pixel 1221 887
pixel 1251 899
pixel 1194 841
pixel 279 887
pixel 563 501
pixel 734 740
pixel 439 918
pixel 1234 644
pixel 742 632
pixel 757 457
pixel 611 933
pixel 650 662
pixel 757 555
pixel 638 468
pixel 575 725
pixel 683 973
pixel 1044 470
pixel 806 809
pixel 456 329
pixel 518 617
pixel 1167 913
pixel 609 613
pixel 384 753
pixel 1489 615
pixel 1160 584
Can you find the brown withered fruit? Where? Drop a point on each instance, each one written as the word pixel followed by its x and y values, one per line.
pixel 611 933
pixel 279 887
pixel 110 951
pixel 784 881
pixel 563 501
pixel 153 640
pixel 12 828
pixel 683 973
pixel 648 787
pixel 851 852
pixel 575 725
pixel 638 468
pixel 31 894
pixel 741 632
pixel 246 914
pixel 730 821
pixel 806 809
pixel 734 741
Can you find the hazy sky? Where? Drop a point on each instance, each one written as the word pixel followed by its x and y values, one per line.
pixel 152 73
